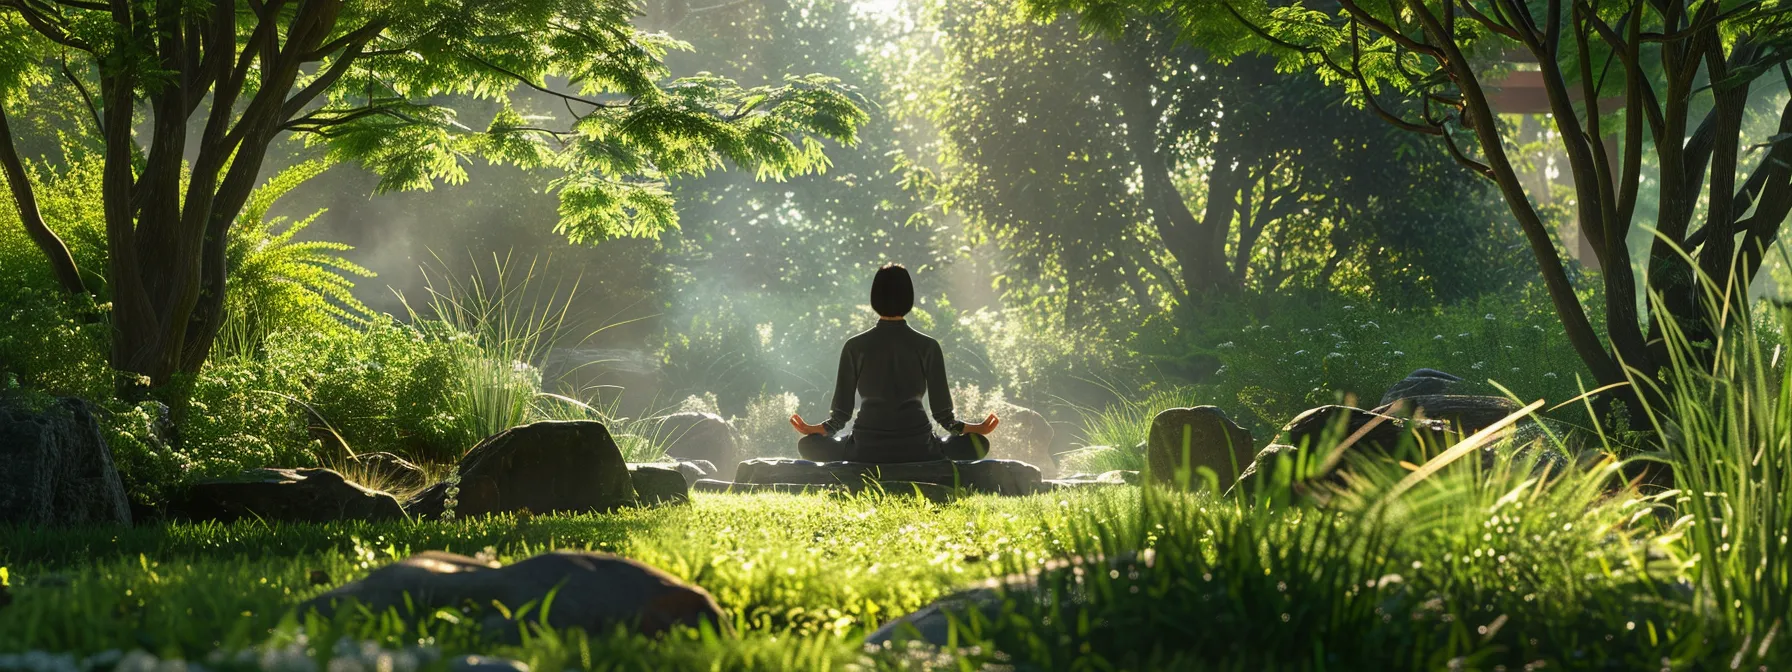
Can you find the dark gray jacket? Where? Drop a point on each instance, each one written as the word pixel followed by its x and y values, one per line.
pixel 890 367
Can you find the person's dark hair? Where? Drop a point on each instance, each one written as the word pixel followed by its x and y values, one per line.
pixel 892 291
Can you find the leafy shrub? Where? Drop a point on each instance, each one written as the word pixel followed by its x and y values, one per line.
pixel 386 387
pixel 53 343
pixel 147 464
pixel 722 355
pixel 1112 436
pixel 1289 355
pixel 279 282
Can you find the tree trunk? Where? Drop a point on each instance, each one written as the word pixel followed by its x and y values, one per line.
pixel 62 263
pixel 1486 128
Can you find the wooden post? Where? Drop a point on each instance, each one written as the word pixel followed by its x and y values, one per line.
pixel 1522 92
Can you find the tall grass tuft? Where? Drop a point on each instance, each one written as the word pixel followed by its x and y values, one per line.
pixel 499 323
pixel 1455 564
pixel 1725 419
pixel 1112 435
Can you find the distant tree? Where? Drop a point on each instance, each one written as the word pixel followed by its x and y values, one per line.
pixel 1681 71
pixel 219 80
pixel 1141 168
pixel 794 257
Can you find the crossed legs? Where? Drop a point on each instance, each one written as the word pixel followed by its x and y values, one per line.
pixel 819 448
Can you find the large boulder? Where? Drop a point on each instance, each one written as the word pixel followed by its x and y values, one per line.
pixel 700 436
pixel 289 495
pixel 1025 436
pixel 658 484
pixel 695 470
pixel 1187 438
pixel 55 468
pixel 1068 584
pixel 1464 413
pixel 1423 382
pixel 998 477
pixel 545 467
pixel 1313 435
pixel 592 591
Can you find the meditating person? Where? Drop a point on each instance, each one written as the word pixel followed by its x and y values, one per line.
pixel 890 367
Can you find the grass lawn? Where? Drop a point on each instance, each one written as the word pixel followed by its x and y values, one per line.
pixel 804 576
pixel 1470 568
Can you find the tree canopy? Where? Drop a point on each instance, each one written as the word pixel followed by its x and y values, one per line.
pixel 1137 168
pixel 212 83
pixel 1675 79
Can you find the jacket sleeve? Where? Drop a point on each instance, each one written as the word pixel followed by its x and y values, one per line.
pixel 846 385
pixel 939 394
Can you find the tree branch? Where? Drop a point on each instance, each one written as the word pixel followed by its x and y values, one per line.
pixel 531 84
pixel 86 98
pixel 1377 25
pixel 46 27
pixel 1495 26
pixel 338 68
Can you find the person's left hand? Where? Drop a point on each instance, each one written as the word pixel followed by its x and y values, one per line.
pixel 805 428
pixel 983 428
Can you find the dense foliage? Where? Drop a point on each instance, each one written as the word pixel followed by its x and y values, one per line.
pixel 1674 82
pixel 365 82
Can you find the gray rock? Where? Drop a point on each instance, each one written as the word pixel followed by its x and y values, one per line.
pixel 1115 477
pixel 1126 476
pixel 290 495
pixel 658 484
pixel 1466 414
pixel 700 437
pixel 1423 382
pixel 1325 428
pixel 695 470
pixel 1024 436
pixel 1385 432
pixel 545 467
pixel 1065 581
pixel 55 468
pixel 998 477
pixel 1183 439
pixel 592 591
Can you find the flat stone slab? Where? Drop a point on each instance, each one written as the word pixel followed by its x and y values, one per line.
pixel 291 495
pixel 657 484
pixel 1117 476
pixel 996 477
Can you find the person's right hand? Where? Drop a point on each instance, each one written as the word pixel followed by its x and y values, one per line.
pixel 983 428
pixel 805 428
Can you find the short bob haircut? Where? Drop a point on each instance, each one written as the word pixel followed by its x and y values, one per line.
pixel 892 291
